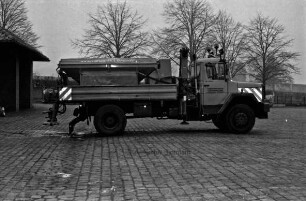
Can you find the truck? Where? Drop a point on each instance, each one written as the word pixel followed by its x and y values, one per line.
pixel 113 90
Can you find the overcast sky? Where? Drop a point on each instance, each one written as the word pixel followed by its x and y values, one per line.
pixel 57 22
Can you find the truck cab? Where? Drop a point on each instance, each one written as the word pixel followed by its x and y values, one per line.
pixel 231 105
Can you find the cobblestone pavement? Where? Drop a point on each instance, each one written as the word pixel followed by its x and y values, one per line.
pixel 153 160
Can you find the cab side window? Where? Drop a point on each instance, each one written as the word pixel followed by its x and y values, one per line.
pixel 215 71
pixel 210 71
pixel 221 71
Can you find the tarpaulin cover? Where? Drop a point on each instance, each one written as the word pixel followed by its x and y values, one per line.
pixel 96 78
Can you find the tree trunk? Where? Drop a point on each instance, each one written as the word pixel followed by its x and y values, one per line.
pixel 263 91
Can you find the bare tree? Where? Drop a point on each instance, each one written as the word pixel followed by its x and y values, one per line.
pixel 267 52
pixel 189 21
pixel 14 18
pixel 231 37
pixel 115 31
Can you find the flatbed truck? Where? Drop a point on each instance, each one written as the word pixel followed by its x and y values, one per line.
pixel 115 89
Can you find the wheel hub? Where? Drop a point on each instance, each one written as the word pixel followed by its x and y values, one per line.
pixel 241 119
pixel 110 121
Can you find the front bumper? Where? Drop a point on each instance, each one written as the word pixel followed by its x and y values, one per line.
pixel 262 110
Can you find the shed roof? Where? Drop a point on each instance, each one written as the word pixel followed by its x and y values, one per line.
pixel 8 37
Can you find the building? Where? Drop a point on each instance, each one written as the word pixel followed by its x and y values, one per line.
pixel 16 66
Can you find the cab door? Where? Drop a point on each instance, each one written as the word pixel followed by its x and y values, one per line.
pixel 213 87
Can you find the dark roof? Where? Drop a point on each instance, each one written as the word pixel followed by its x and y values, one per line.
pixel 7 36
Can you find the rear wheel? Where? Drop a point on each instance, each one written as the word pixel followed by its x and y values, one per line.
pixel 240 119
pixel 110 120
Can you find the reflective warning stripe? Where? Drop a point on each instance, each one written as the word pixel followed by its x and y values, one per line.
pixel 256 91
pixel 65 93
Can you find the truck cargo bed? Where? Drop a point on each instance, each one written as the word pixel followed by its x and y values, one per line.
pixel 118 93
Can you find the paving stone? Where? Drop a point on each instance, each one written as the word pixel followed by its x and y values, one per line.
pixel 153 160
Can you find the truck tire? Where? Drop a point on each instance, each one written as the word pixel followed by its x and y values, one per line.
pixel 240 119
pixel 219 122
pixel 110 120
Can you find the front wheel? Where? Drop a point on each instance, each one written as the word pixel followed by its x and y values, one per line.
pixel 240 119
pixel 110 120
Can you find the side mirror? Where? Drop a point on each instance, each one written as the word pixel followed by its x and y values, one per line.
pixel 221 52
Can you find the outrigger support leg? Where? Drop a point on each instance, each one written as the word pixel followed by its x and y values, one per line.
pixel 184 111
pixel 81 115
pixel 52 113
